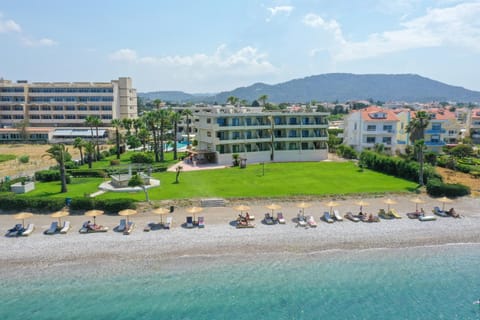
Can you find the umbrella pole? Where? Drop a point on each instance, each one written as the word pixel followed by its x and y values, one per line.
pixel 94 223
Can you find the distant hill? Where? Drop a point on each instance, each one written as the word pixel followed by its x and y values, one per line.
pixel 170 96
pixel 345 87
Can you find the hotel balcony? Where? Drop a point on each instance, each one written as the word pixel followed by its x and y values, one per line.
pixel 434 143
pixel 435 131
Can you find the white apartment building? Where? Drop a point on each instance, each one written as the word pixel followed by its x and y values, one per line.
pixel 474 125
pixel 373 125
pixel 249 132
pixel 64 104
pixel 443 129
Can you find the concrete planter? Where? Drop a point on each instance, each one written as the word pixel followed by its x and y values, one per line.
pixel 22 188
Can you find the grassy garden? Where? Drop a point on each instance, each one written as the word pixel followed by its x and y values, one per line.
pixel 7 157
pixel 256 181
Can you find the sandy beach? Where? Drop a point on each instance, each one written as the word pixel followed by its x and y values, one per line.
pixel 38 251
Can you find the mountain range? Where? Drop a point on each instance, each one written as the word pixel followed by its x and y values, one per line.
pixel 336 87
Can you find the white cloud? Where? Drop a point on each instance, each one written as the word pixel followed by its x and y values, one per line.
pixel 7 26
pixel 286 10
pixel 247 59
pixel 457 26
pixel 43 42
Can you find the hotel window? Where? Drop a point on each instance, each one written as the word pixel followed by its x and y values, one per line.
pixel 58 116
pixel 370 139
pixel 58 108
pixel 5 108
pixel 305 133
pixel 107 108
pixel 387 128
pixel 306 121
pixel 18 108
pixel 292 121
pixel 293 146
pixel 248 121
pixel 209 134
pixel 94 108
pixel 82 108
pixel 235 122
pixel 34 108
pixel 70 116
pixel 387 140
pixel 222 122
pixel 236 135
pixel 436 126
pixel 34 116
pixel 70 108
pixel 81 116
pixel 106 116
pixel 292 134
pixel 371 128
pixel 18 116
pixel 46 108
pixel 46 116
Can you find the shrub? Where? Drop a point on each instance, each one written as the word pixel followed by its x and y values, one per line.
pixel 24 159
pixel 437 188
pixel 71 165
pixel 88 173
pixel 135 181
pixel 115 162
pixel 50 175
pixel 108 205
pixel 346 152
pixel 12 202
pixel 141 157
pixel 5 185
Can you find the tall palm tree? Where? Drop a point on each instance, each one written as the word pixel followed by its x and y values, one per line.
pixel 79 143
pixel 90 152
pixel 157 103
pixel 137 125
pixel 127 124
pixel 117 124
pixel 163 120
pixel 419 149
pixel 143 135
pixel 175 118
pixel 94 121
pixel 187 113
pixel 89 122
pixel 59 153
pixel 232 100
pixel 416 126
pixel 152 125
pixel 263 98
pixel 272 136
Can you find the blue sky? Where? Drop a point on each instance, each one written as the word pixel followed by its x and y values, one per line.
pixel 213 45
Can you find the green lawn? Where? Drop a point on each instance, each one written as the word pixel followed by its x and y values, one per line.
pixel 279 180
pixel 7 157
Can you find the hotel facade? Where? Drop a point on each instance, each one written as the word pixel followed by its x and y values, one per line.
pixel 64 104
pixel 251 133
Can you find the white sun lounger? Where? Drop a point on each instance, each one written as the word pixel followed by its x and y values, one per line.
pixel 201 222
pixel 53 228
pixel 29 230
pixel 301 221
pixel 129 228
pixel 280 218
pixel 337 216
pixel 311 221
pixel 66 227
pixel 168 223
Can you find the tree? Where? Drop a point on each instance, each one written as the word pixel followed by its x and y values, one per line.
pixel 22 129
pixel 89 123
pixel 163 119
pixel 232 100
pixel 263 98
pixel 89 152
pixel 133 142
pixel 79 143
pixel 94 121
pixel 137 181
pixel 152 126
pixel 175 117
pixel 59 153
pixel 272 136
pixel 177 175
pixel 144 136
pixel 419 149
pixel 187 113
pixel 117 124
pixel 127 124
pixel 137 125
pixel 157 103
pixel 417 125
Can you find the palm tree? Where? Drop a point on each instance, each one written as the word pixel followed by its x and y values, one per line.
pixel 137 125
pixel 163 120
pixel 419 149
pixel 157 103
pixel 416 129
pixel 143 135
pixel 188 113
pixel 79 143
pixel 127 124
pixel 175 118
pixel 59 153
pixel 117 124
pixel 263 98
pixel 232 100
pixel 89 122
pixel 152 126
pixel 90 152
pixel 272 136
pixel 94 121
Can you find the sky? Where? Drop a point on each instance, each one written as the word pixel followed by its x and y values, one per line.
pixel 207 46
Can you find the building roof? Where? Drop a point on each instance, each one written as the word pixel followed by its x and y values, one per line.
pixel 441 114
pixel 375 113
pixel 476 113
pixel 78 132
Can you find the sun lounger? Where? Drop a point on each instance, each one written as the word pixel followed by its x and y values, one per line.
pixel 250 216
pixel 129 228
pixel 241 224
pixel 439 212
pixel 327 217
pixel 280 218
pixel 28 230
pixel 311 222
pixel 337 216
pixel 385 215
pixel 268 219
pixel 301 220
pixel 453 213
pixel 15 230
pixel 168 223
pixel 426 218
pixel 66 227
pixel 93 229
pixel 189 223
pixel 351 217
pixel 413 215
pixel 201 222
pixel 122 226
pixel 53 228
pixel 148 227
pixel 371 218
pixel 395 214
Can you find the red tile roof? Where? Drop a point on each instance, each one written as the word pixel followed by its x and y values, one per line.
pixel 369 113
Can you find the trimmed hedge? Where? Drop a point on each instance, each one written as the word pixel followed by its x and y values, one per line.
pixel 88 173
pixel 49 175
pixel 12 202
pixel 142 157
pixel 109 205
pixel 437 188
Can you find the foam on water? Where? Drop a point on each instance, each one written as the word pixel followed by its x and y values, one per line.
pixel 410 283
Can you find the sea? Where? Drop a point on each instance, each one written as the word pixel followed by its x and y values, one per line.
pixel 433 282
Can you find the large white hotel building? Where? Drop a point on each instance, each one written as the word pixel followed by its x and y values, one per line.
pixel 64 104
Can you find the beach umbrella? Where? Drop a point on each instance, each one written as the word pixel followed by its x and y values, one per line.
pixel 445 200
pixel 94 214
pixel 194 210
pixel 388 202
pixel 60 214
pixel 22 216
pixel 273 207
pixel 332 204
pixel 362 204
pixel 127 213
pixel 241 208
pixel 302 205
pixel 161 212
pixel 417 201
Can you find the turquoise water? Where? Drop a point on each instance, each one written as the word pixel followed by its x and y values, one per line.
pixel 412 283
pixel 169 147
